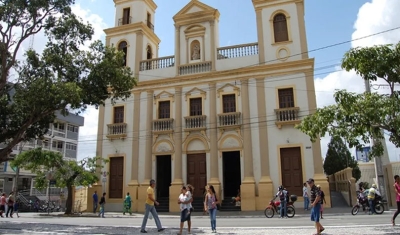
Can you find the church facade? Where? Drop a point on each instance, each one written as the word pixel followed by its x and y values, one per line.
pixel 209 114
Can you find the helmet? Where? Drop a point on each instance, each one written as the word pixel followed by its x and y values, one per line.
pixel 374 185
pixel 280 188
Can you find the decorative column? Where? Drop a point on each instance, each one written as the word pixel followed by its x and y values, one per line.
pixel 260 34
pixel 133 184
pixel 142 192
pixel 138 53
pixel 265 186
pixel 213 48
pixel 214 177
pixel 177 47
pixel 247 189
pixel 177 182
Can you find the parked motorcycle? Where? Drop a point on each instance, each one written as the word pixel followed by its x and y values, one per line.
pixel 275 206
pixel 362 202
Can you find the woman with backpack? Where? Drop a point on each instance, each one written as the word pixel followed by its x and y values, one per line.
pixel 283 195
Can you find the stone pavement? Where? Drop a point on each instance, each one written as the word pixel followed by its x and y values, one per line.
pixel 16 228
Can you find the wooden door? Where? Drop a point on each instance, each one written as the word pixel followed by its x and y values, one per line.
pixel 197 172
pixel 292 170
pixel 116 177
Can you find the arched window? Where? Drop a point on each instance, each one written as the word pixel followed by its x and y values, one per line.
pixel 280 28
pixel 149 56
pixel 123 46
pixel 195 50
pixel 149 52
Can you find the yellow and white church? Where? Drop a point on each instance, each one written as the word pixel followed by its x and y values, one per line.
pixel 208 114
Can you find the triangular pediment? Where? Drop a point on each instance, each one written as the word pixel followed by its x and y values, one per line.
pixel 164 94
pixel 195 91
pixel 194 6
pixel 227 87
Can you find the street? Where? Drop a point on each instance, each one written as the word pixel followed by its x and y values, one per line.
pixel 117 224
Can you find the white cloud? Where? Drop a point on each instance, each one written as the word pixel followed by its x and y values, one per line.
pixel 373 17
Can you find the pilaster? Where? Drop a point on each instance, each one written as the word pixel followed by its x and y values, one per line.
pixel 213 48
pixel 214 177
pixel 247 189
pixel 265 185
pixel 178 179
pixel 149 139
pixel 177 47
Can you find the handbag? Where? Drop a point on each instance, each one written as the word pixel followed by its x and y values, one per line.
pixel 218 205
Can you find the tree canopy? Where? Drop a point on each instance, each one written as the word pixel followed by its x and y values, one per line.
pixel 65 173
pixel 359 117
pixel 338 157
pixel 68 76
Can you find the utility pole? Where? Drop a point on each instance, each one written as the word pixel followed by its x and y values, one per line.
pixel 378 162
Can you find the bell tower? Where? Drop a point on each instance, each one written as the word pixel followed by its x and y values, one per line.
pixel 133 31
pixel 281 30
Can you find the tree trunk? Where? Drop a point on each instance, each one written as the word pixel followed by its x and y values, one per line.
pixel 69 203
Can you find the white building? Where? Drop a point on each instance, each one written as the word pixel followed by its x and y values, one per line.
pixel 209 114
pixel 63 136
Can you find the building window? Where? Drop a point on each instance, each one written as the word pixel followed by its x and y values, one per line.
pixel 116 177
pixel 280 28
pixel 126 18
pixel 196 108
pixel 71 146
pixel 164 109
pixel 195 50
pixel 59 126
pixel 123 46
pixel 119 114
pixel 73 128
pixel 229 103
pixel 286 98
pixel 149 24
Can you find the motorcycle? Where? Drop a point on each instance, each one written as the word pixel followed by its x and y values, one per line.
pixel 275 206
pixel 362 202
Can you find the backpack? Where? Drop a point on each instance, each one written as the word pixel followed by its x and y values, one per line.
pixel 282 195
pixel 287 196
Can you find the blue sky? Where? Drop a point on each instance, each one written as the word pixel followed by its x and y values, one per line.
pixel 328 22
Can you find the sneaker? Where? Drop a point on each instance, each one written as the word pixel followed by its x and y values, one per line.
pixel 143 231
pixel 161 229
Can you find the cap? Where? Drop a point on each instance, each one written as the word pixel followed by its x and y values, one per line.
pixel 318 186
pixel 310 180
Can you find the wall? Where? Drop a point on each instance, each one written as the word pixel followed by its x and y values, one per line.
pixel 80 197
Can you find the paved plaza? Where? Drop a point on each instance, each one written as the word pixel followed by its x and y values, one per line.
pixel 115 224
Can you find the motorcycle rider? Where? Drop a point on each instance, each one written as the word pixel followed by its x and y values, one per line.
pixel 282 194
pixel 371 198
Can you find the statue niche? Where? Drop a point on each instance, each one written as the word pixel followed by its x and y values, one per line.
pixel 195 50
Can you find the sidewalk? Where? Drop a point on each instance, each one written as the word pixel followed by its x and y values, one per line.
pixel 338 211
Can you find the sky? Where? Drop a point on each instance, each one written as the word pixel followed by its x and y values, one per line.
pixel 328 23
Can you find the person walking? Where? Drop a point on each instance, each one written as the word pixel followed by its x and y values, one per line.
pixel 397 191
pixel 306 197
pixel 371 199
pixel 102 204
pixel 149 208
pixel 210 205
pixel 95 201
pixel 315 205
pixel 282 194
pixel 10 204
pixel 128 204
pixel 16 207
pixel 184 206
pixel 2 204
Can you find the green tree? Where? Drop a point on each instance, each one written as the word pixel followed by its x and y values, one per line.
pixel 338 158
pixel 65 173
pixel 359 117
pixel 64 77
